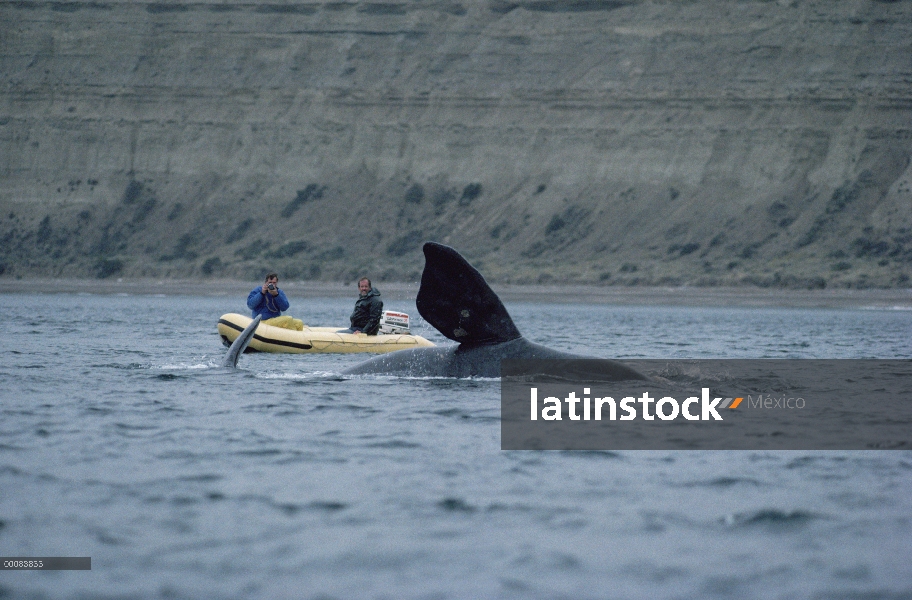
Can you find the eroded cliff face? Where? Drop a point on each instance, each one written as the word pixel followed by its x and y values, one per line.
pixel 691 142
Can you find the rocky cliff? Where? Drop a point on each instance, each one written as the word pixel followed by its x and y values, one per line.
pixel 662 142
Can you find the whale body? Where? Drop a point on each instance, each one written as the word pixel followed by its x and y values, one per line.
pixel 457 301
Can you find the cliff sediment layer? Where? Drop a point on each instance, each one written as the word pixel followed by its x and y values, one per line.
pixel 699 142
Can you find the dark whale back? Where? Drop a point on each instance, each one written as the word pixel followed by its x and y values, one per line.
pixel 454 361
pixel 485 361
pixel 457 301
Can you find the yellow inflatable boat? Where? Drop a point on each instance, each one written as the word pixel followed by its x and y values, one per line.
pixel 317 339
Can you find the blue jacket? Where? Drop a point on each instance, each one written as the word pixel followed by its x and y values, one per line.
pixel 265 304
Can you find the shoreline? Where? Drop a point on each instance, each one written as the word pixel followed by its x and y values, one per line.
pixel 895 299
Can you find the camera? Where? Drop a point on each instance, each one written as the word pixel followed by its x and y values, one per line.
pixel 271 287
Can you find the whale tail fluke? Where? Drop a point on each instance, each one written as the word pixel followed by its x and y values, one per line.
pixel 457 301
pixel 240 344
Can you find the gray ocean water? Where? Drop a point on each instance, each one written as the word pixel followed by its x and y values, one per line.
pixel 121 439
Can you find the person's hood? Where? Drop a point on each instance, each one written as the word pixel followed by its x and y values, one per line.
pixel 373 292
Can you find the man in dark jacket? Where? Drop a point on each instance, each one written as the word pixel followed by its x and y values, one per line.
pixel 368 309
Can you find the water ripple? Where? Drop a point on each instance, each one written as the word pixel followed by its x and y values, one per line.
pixel 771 519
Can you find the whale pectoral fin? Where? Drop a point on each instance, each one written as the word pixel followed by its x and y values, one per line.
pixel 458 302
pixel 240 344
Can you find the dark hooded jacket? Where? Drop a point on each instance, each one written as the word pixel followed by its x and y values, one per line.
pixel 366 315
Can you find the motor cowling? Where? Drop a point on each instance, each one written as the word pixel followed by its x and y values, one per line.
pixel 394 323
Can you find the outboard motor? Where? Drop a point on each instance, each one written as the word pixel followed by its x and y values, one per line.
pixel 394 323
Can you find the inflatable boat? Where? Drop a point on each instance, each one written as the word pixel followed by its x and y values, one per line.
pixel 393 336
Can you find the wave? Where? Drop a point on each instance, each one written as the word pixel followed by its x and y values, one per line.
pixel 771 518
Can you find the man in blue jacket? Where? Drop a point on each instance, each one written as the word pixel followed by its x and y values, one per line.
pixel 267 300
